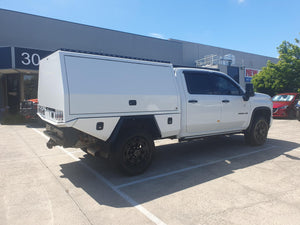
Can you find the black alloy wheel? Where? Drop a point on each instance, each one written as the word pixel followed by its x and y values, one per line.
pixel 134 152
pixel 261 131
pixel 257 133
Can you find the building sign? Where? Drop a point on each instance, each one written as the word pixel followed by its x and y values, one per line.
pixel 5 58
pixel 249 74
pixel 26 58
pixel 21 58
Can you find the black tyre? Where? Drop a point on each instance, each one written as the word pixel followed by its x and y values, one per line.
pixel 257 134
pixel 291 114
pixel 133 152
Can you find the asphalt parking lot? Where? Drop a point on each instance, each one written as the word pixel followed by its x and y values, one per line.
pixel 214 181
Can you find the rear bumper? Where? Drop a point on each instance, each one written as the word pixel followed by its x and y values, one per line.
pixel 28 113
pixel 62 124
pixel 68 137
pixel 65 137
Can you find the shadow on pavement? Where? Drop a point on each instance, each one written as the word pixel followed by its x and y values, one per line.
pixel 37 123
pixel 173 157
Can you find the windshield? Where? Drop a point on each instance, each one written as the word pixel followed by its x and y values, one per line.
pixel 283 98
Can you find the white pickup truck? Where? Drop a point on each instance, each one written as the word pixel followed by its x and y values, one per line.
pixel 116 107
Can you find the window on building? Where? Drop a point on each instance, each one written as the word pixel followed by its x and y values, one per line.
pixel 30 86
pixel 13 92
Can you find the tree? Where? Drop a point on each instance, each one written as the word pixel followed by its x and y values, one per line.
pixel 283 76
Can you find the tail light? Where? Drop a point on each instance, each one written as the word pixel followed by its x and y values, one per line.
pixel 50 113
pixel 59 115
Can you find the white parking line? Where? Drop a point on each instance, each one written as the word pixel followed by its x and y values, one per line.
pixel 144 211
pixel 193 167
pixel 117 188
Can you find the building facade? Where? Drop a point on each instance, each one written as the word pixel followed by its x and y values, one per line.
pixel 25 39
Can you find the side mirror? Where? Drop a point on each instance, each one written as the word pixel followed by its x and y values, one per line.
pixel 249 92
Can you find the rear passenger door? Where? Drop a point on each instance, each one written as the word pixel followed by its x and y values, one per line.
pixel 203 109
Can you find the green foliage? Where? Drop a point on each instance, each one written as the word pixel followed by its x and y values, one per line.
pixel 283 76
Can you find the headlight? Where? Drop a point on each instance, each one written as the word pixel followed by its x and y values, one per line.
pixel 283 107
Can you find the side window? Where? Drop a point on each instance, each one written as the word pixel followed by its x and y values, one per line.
pixel 198 82
pixel 224 86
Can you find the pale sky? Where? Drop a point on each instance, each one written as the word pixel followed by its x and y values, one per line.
pixel 255 26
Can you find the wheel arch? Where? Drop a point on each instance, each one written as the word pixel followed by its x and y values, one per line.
pixel 261 111
pixel 145 122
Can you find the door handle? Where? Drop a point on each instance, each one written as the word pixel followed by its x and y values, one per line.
pixel 225 101
pixel 193 101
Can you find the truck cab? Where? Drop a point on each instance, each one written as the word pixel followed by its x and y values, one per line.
pixel 214 103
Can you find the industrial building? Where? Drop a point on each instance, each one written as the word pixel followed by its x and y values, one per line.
pixel 25 39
